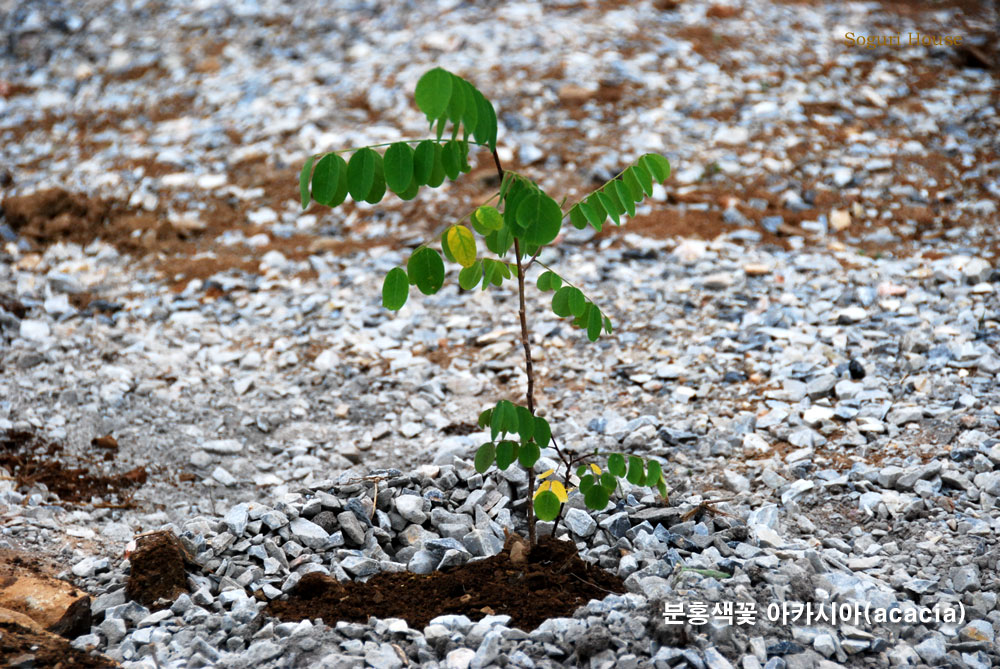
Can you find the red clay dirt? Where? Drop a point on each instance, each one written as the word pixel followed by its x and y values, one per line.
pixel 552 582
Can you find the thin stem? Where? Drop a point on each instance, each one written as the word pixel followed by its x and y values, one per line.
pixel 398 141
pixel 527 364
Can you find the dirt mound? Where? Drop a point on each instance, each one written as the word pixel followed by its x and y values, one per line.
pixel 31 460
pixel 158 570
pixel 553 582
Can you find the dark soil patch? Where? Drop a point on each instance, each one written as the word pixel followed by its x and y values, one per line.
pixel 552 582
pixel 33 460
pixel 159 569
pixel 23 646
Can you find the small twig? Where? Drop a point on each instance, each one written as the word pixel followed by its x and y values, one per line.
pixel 593 585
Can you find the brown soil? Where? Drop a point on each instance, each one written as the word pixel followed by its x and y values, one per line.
pixel 158 572
pixel 23 644
pixel 553 582
pixel 32 460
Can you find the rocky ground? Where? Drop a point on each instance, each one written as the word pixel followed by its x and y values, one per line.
pixel 806 327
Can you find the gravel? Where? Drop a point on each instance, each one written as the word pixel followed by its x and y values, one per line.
pixel 816 371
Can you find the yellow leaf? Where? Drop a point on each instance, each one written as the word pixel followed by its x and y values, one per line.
pixel 462 244
pixel 594 468
pixel 545 474
pixel 542 488
pixel 559 490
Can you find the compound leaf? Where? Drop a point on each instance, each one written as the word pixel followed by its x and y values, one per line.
pixel 546 505
pixel 433 92
pixel 304 181
pixel 485 456
pixel 426 269
pixel 398 166
pixel 395 289
pixel 462 244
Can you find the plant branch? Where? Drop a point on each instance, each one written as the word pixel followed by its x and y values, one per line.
pixel 525 343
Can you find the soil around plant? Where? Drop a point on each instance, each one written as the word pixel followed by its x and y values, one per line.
pixel 30 459
pixel 552 582
pixel 159 568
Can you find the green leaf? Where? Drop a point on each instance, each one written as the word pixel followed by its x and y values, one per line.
pixel 426 270
pixel 710 573
pixel 662 488
pixel 488 218
pixel 484 418
pixel 304 181
pixel 657 165
pixel 616 464
pixel 506 454
pixel 470 276
pixel 456 105
pixel 470 116
pixel 377 192
pixel 446 247
pixel 549 280
pixel 609 206
pixel 516 194
pixel 434 92
pixel 486 122
pixel 547 505
pixel 625 197
pixel 653 473
pixel 485 456
pixel 525 423
pixel 462 244
pixel 596 498
pixel 436 177
pixel 560 301
pixel 607 325
pixel 398 166
pixel 528 454
pixel 600 214
pixel 325 178
pixel 499 242
pixel 423 161
pixel 594 323
pixel 586 480
pixel 577 217
pixel 361 173
pixel 504 418
pixel 410 192
pixel 543 432
pixel 577 302
pixel 631 181
pixel 635 474
pixel 395 289
pixel 609 482
pixel 451 159
pixel 540 217
pixel 643 177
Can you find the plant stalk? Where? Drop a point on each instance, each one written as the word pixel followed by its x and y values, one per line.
pixel 526 344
